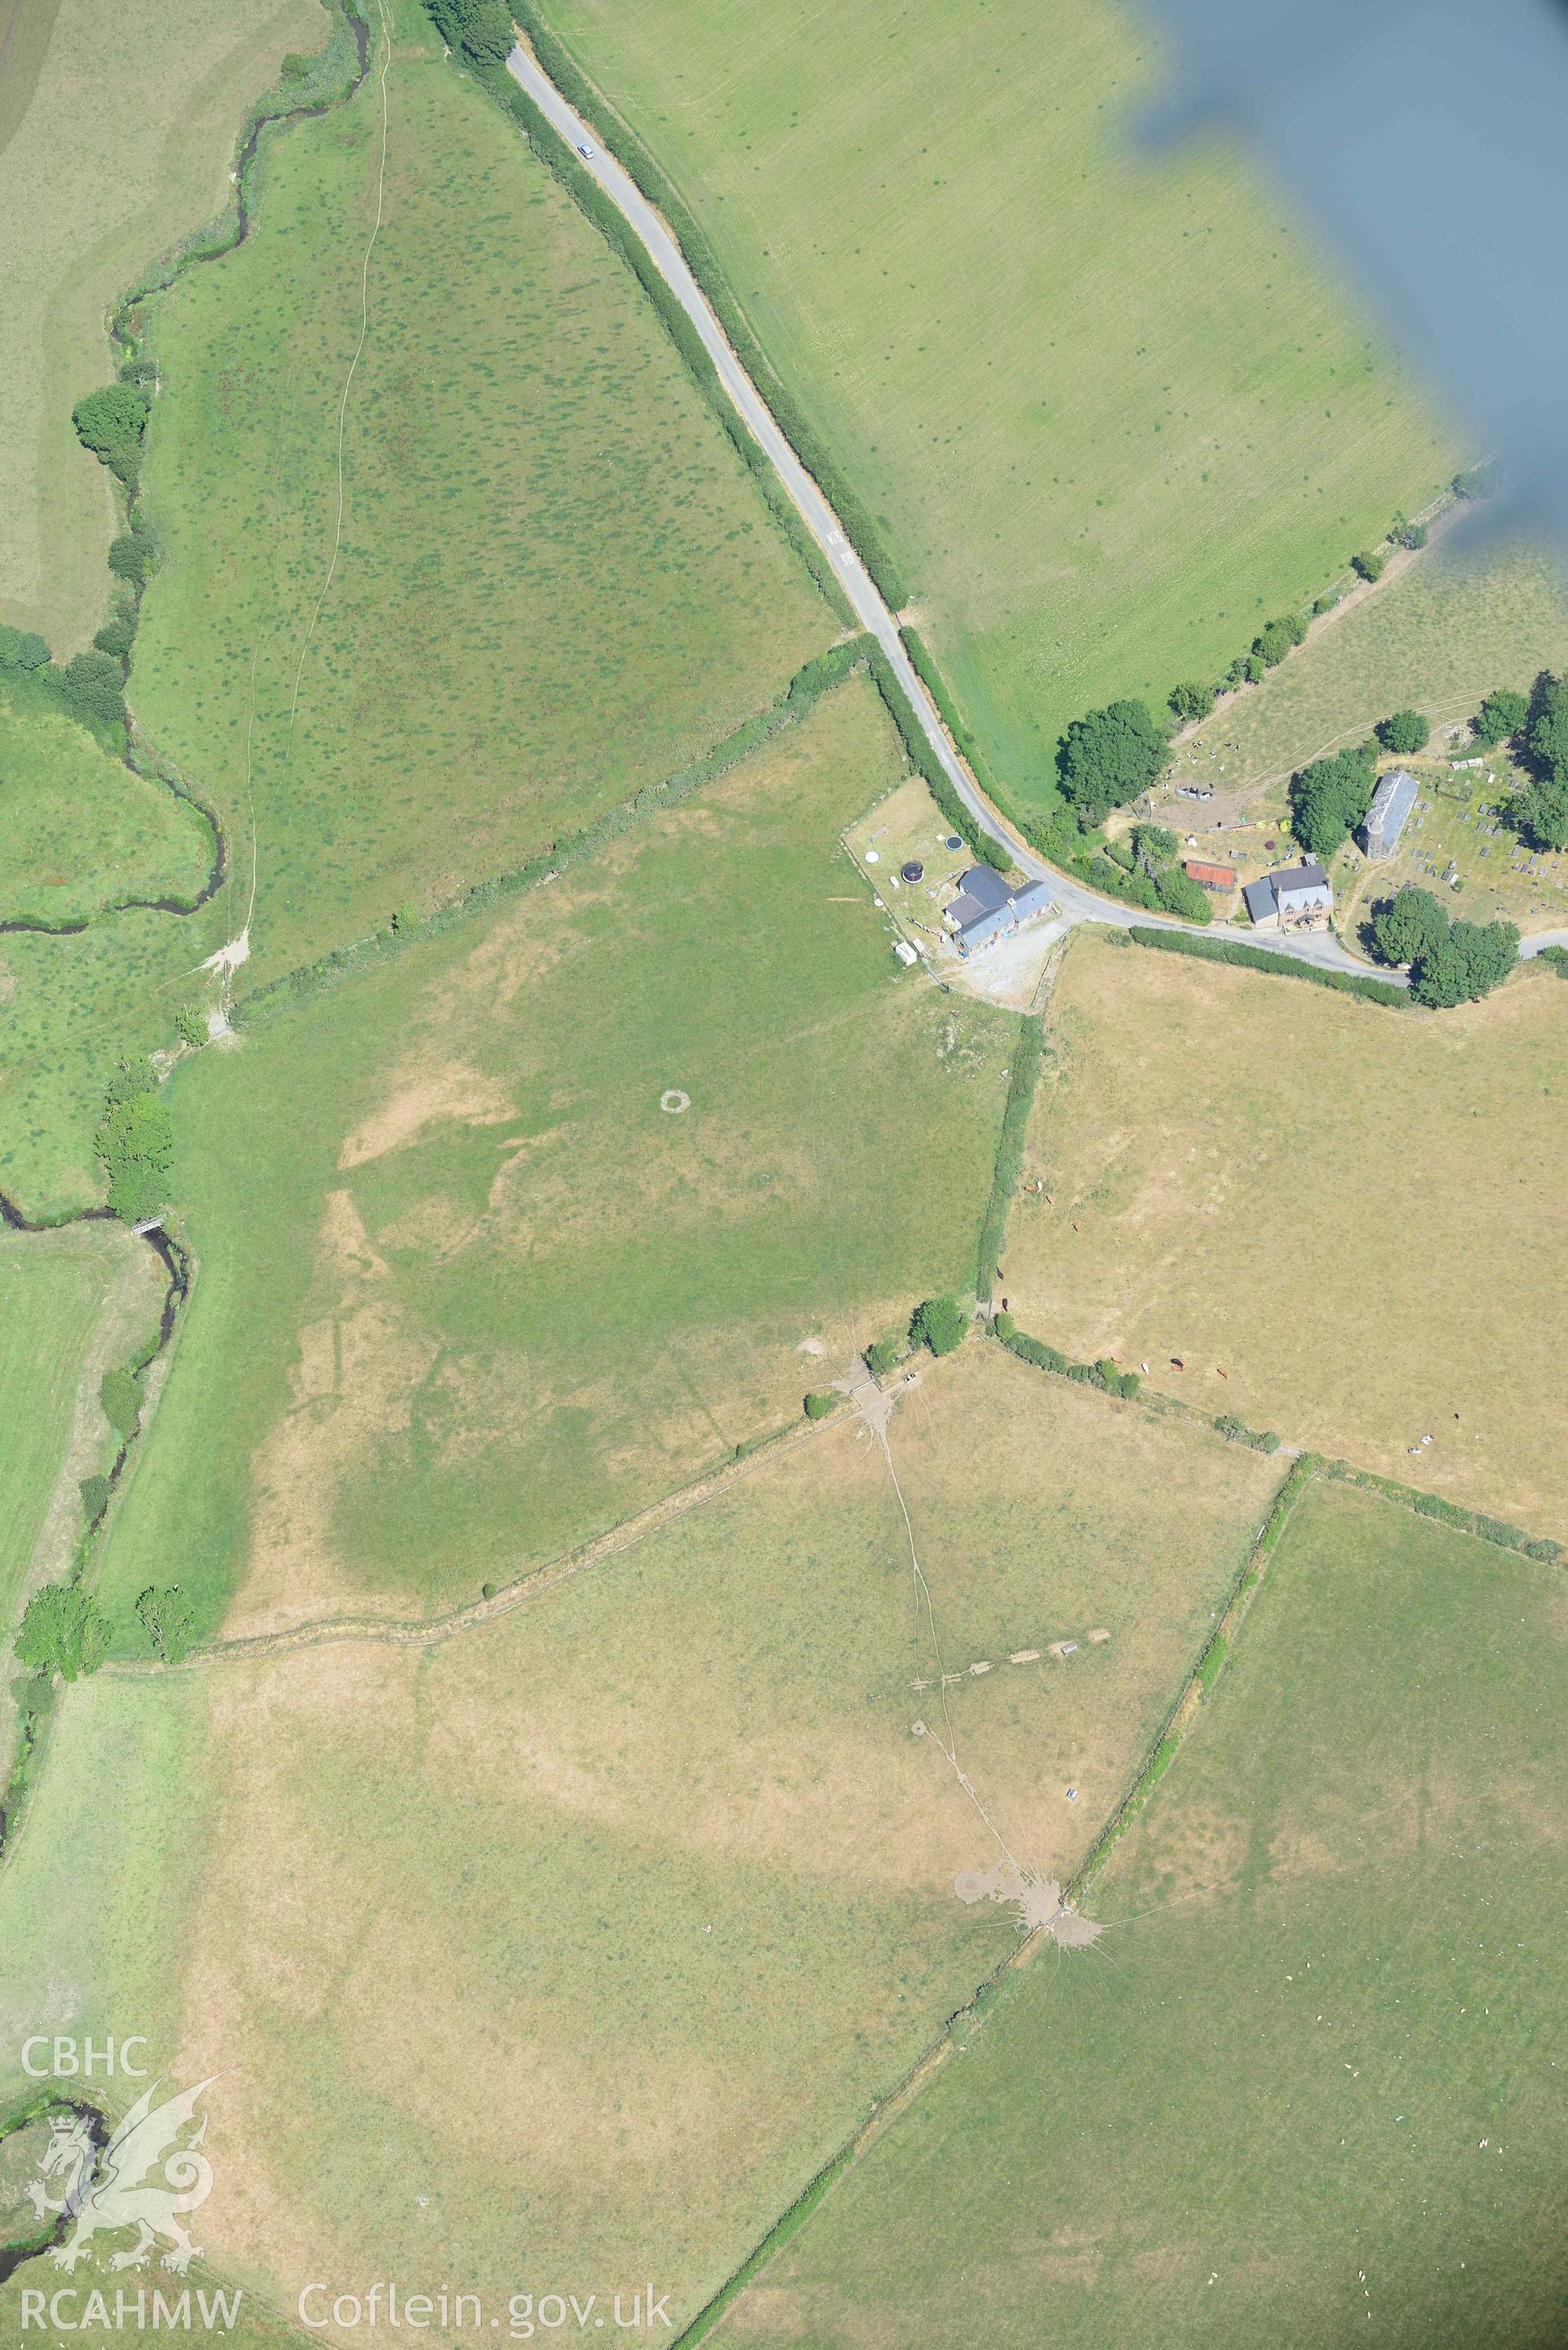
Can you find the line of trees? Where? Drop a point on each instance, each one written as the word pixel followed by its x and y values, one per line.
pixel 479 30
pixel 65 1632
pixel 1536 725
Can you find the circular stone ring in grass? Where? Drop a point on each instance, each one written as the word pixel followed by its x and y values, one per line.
pixel 674 1101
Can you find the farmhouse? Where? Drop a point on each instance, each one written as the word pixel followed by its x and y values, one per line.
pixel 1219 878
pixel 1293 897
pixel 1386 819
pixel 986 908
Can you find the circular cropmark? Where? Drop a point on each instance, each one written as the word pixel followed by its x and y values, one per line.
pixel 674 1101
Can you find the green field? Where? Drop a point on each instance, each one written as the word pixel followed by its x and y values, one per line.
pixel 117 133
pixel 1302 2090
pixel 632 1899
pixel 1434 637
pixel 468 1292
pixel 71 1304
pixel 556 582
pixel 80 831
pixel 73 1007
pixel 1111 415
pixel 482 679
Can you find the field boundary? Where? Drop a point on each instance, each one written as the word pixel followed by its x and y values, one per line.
pixel 1306 1470
pixel 1197 943
pixel 430 1631
pixel 924 759
pixel 1199 1685
pixel 1542 1548
pixel 810 682
pixel 888 2108
pixel 1028 1052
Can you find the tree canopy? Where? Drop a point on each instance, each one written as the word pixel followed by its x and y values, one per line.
pixel 1467 964
pixel 940 1324
pixel 1541 812
pixel 120 1396
pixel 131 556
pixel 135 1142
pixel 1276 639
pixel 1548 735
pixel 22 648
pixel 63 1632
pixel 1110 756
pixel 1191 699
pixel 167 1619
pixel 1155 846
pixel 1502 713
pixel 1329 798
pixel 111 422
pixel 1407 925
pixel 1450 962
pixel 92 687
pixel 1406 732
pixel 480 30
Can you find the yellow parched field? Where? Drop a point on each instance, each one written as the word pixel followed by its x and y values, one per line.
pixel 1347 1223
pixel 570 1947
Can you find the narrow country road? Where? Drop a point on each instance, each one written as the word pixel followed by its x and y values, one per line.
pixel 1077 903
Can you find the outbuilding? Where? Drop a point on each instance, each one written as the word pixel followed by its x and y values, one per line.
pixel 1219 878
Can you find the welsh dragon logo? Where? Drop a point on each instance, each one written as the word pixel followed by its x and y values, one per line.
pixel 144 2178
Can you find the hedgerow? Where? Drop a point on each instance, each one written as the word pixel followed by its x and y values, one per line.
pixel 1451 1513
pixel 936 685
pixel 1262 1440
pixel 1103 1375
pixel 805 689
pixel 1027 1048
pixel 703 262
pixel 923 759
pixel 1233 950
